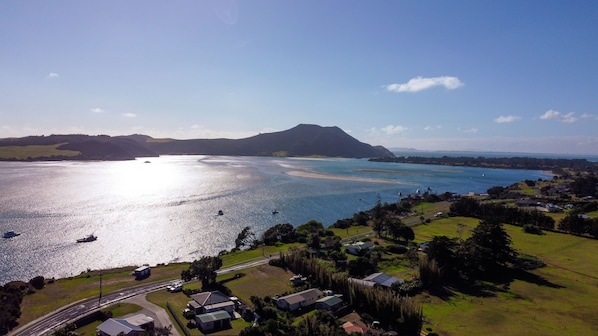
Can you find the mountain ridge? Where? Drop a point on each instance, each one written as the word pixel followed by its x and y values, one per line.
pixel 299 141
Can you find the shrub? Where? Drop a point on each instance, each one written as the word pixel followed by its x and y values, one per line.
pixel 37 282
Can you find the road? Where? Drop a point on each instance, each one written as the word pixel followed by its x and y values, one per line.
pixel 50 322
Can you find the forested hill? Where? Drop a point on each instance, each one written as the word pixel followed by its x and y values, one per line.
pixel 302 140
pixel 558 166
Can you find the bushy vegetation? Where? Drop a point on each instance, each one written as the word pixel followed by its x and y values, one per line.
pixel 470 207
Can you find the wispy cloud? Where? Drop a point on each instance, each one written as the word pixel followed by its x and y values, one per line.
pixel 388 130
pixel 97 110
pixel 431 128
pixel 53 75
pixel 506 119
pixel 470 130
pixel 556 115
pixel 129 115
pixel 420 83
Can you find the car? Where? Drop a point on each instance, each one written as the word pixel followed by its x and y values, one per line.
pixel 175 287
pixel 438 214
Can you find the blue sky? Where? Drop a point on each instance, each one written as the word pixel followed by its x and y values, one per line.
pixel 516 76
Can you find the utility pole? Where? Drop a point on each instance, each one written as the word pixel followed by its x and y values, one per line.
pixel 100 298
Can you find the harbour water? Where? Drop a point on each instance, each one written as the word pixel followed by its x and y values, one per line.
pixel 166 210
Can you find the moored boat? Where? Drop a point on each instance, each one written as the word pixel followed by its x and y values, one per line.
pixel 87 239
pixel 10 234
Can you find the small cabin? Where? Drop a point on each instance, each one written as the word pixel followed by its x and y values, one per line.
pixel 142 272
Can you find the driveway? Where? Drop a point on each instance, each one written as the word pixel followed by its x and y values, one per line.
pixel 160 316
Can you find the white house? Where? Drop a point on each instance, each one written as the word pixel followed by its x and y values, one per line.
pixel 131 326
pixel 207 302
pixel 358 248
pixel 298 300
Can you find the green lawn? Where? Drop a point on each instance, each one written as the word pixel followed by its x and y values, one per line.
pixel 554 300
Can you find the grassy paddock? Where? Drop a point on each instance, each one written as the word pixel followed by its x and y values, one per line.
pixel 554 300
pixel 34 151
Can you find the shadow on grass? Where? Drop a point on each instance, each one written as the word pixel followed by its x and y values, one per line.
pixel 533 278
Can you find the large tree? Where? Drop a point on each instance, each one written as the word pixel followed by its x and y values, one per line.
pixel 489 246
pixel 205 269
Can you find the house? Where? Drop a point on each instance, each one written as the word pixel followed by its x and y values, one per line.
pixel 208 302
pixel 330 303
pixel 131 326
pixel 213 321
pixel 359 248
pixel 142 272
pixel 351 327
pixel 382 279
pixel 298 300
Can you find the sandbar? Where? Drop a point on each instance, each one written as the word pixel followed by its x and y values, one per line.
pixel 339 177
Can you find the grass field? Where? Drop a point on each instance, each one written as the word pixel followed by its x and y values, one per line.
pixel 555 300
pixel 34 151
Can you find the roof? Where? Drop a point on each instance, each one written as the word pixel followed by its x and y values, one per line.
pixel 113 327
pixel 210 298
pixel 351 327
pixel 383 279
pixel 305 295
pixel 214 316
pixel 139 319
pixel 330 300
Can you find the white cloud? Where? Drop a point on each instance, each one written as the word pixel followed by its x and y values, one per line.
pixel 53 75
pixel 393 130
pixel 388 130
pixel 97 110
pixel 506 119
pixel 420 83
pixel 431 128
pixel 129 115
pixel 556 115
pixel 471 130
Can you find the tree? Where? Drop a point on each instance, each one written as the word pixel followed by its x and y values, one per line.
pixel 244 238
pixel 205 269
pixel 490 244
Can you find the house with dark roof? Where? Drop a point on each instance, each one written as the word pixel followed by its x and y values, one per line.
pixel 207 302
pixel 213 321
pixel 131 326
pixel 298 300
pixel 330 303
pixel 382 279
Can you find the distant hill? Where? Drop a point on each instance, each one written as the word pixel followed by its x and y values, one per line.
pixel 302 140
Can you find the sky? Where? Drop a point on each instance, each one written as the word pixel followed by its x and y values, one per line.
pixel 480 75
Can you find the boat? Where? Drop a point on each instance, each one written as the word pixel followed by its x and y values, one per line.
pixel 220 212
pixel 10 234
pixel 274 212
pixel 87 239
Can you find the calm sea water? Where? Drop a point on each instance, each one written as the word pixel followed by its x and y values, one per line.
pixel 166 210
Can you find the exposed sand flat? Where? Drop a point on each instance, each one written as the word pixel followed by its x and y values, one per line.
pixel 339 177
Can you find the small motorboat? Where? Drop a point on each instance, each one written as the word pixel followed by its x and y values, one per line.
pixel 220 212
pixel 10 234
pixel 87 239
pixel 275 212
